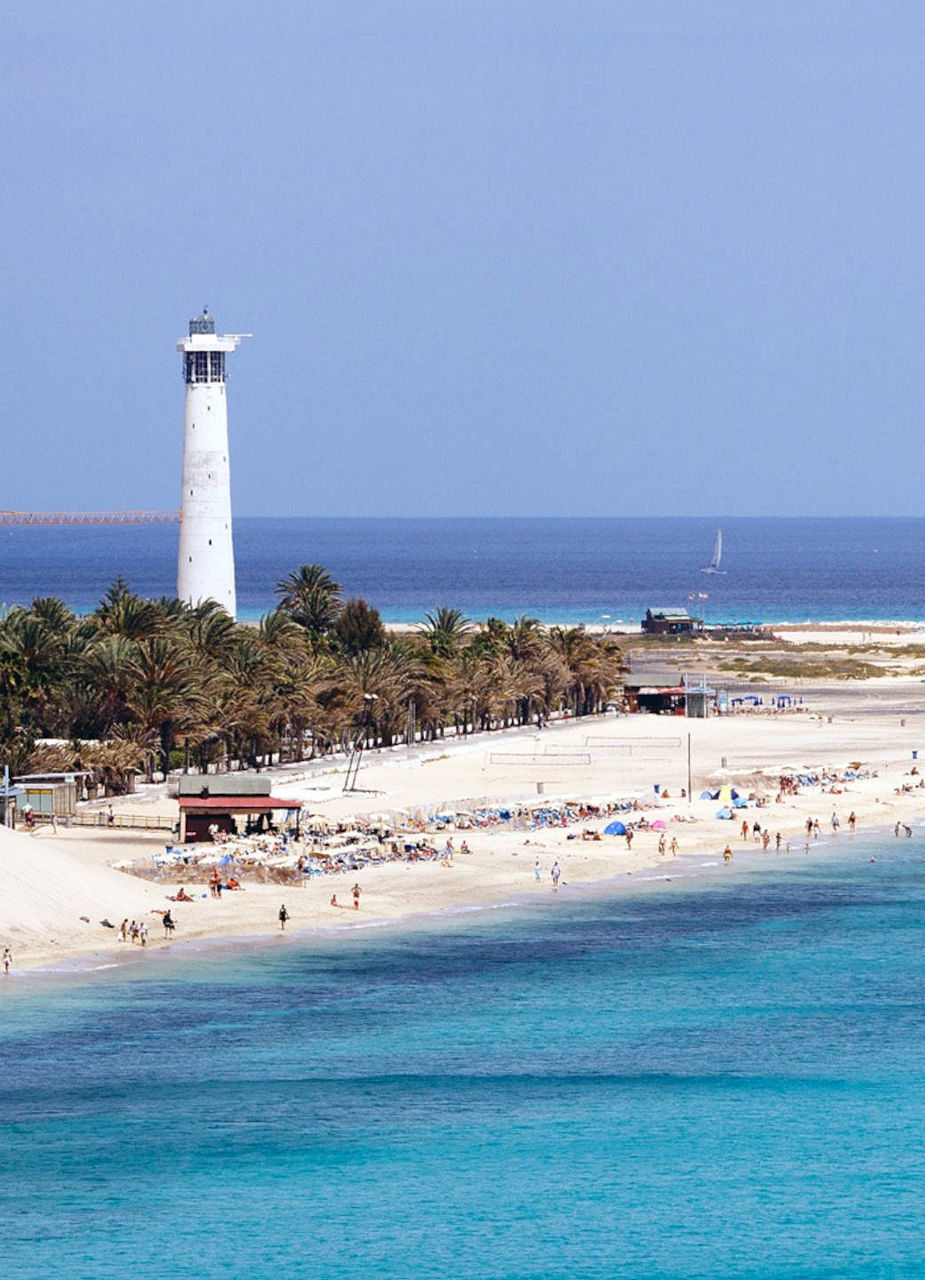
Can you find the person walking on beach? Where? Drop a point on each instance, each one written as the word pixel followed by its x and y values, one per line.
pixel 133 931
pixel 123 930
pixel 356 891
pixel 835 823
pixel 673 847
pixel 555 872
pixel 169 925
pixel 629 838
pixel 7 959
pixel 143 933
pixel 537 871
pixel 745 828
pixel 283 917
pixel 852 819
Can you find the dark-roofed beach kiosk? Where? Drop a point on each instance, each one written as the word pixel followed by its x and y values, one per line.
pixel 227 804
pixel 670 622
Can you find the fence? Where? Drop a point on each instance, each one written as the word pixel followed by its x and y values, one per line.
pixel 634 746
pixel 551 760
pixel 124 821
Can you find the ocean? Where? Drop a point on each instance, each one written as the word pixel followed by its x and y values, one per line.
pixel 713 1078
pixel 605 571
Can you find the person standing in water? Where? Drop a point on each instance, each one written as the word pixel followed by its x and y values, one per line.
pixel 283 917
pixel 7 959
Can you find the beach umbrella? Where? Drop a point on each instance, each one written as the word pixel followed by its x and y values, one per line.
pixel 725 794
pixel 615 829
pixel 724 813
pixel 658 826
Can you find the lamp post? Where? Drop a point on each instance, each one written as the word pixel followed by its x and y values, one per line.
pixel 356 755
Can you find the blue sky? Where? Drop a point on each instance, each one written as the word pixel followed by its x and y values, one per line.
pixel 560 257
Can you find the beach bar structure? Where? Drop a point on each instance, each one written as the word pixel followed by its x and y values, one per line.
pixel 670 622
pixel 209 805
pixel 655 692
pixel 51 794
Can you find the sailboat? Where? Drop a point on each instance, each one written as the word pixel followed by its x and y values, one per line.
pixel 713 566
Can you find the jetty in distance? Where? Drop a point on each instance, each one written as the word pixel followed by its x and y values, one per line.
pixel 89 517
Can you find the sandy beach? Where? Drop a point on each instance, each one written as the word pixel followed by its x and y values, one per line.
pixel 57 889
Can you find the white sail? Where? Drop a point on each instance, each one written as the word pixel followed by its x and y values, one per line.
pixel 713 566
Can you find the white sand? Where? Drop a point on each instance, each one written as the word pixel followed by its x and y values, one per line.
pixel 48 882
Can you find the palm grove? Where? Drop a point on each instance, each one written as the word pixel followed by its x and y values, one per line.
pixel 149 685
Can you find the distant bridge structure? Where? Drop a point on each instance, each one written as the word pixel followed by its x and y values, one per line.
pixel 88 517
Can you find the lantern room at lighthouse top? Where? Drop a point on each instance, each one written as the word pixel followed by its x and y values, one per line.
pixel 204 350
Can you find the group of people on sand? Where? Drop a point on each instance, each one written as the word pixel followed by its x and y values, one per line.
pixel 136 931
pixel 355 891
pixel 555 873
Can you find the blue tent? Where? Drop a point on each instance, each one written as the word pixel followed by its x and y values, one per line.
pixel 739 802
pixel 615 829
pixel 707 795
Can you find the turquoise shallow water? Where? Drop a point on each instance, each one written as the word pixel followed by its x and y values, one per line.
pixel 720 1079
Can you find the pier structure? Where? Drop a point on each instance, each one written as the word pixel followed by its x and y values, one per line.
pixel 88 517
pixel 205 564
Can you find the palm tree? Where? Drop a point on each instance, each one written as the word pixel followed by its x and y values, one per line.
pixel 311 597
pixel 211 631
pixel 103 679
pixel 168 692
pixel 445 630
pixel 122 613
pixel 594 667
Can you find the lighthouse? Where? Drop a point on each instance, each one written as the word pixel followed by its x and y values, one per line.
pixel 205 567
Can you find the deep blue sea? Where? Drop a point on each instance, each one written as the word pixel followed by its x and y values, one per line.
pixel 697 1080
pixel 559 570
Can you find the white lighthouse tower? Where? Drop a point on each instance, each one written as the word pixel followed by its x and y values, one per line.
pixel 205 568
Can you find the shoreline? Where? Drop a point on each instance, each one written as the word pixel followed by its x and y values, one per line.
pixel 55 890
pixel 687 870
